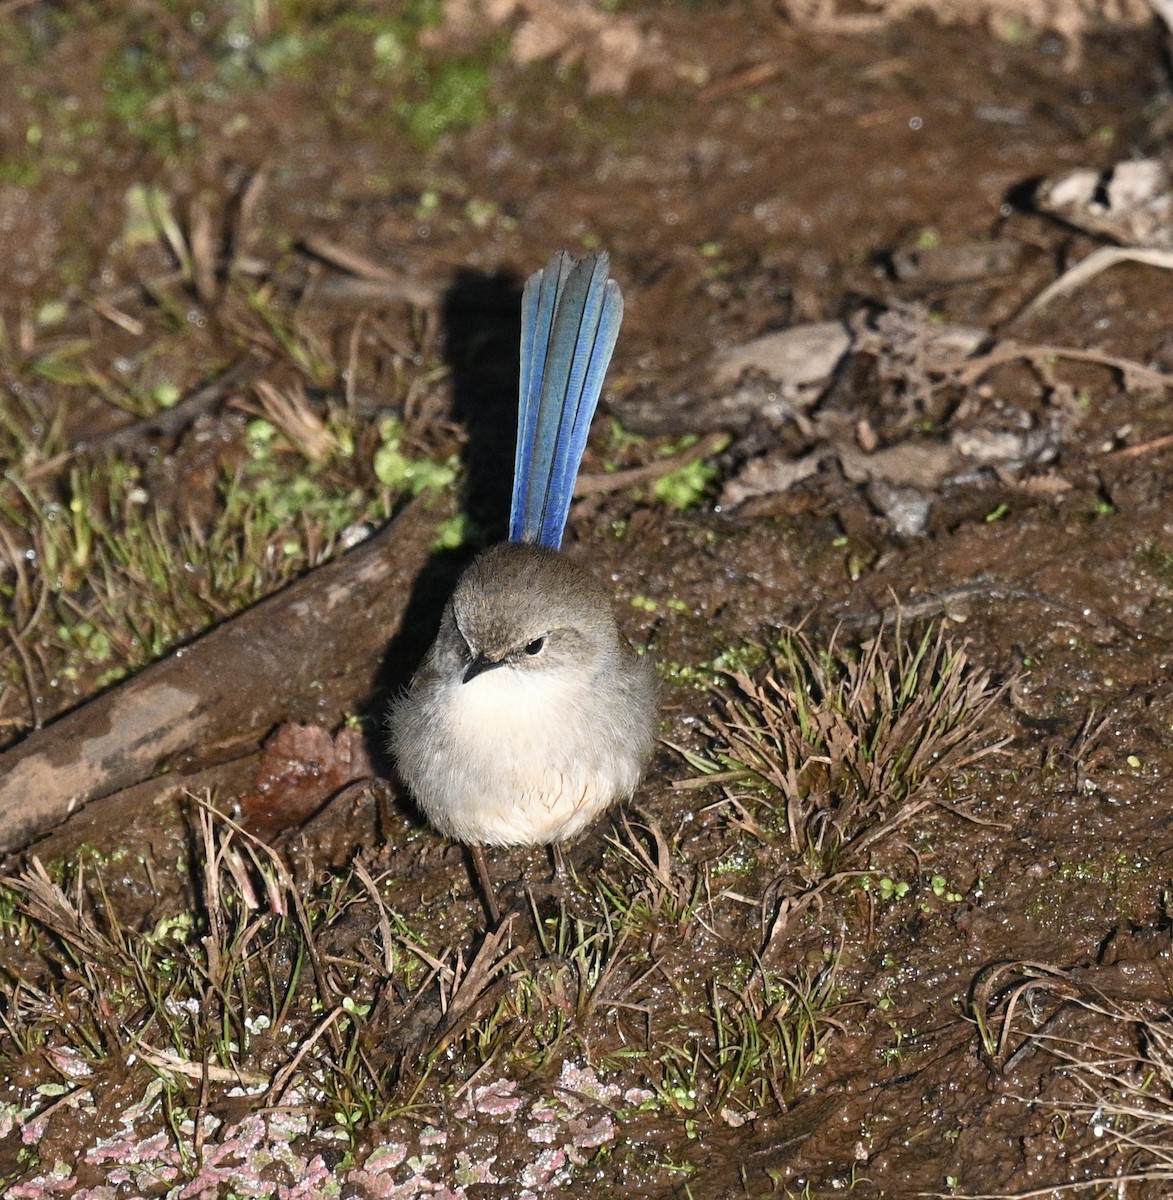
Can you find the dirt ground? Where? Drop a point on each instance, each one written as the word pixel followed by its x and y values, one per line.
pixel 956 982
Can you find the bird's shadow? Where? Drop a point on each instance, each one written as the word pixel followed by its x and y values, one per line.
pixel 481 330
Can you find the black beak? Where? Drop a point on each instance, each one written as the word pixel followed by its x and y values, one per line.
pixel 479 666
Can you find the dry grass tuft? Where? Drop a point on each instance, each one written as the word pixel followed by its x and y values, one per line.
pixel 263 986
pixel 853 744
pixel 1117 1052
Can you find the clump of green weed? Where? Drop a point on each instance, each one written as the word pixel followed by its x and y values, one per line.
pixel 763 1036
pixel 686 486
pixel 103 579
pixel 767 1035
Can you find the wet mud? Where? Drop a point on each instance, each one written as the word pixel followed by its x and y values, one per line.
pixel 749 177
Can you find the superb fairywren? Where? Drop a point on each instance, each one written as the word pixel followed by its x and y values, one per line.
pixel 530 714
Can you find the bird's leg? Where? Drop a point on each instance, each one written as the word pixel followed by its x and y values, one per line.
pixel 485 882
pixel 560 875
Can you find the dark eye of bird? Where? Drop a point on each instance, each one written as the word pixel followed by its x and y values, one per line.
pixel 535 647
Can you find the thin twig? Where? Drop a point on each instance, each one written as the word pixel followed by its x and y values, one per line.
pixel 1097 261
pixel 617 481
pixel 116 316
pixel 975 368
pixel 1161 443
pixel 282 1078
pixel 394 286
pixel 163 424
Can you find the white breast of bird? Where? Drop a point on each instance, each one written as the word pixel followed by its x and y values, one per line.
pixel 528 765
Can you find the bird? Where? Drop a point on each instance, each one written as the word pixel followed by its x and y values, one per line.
pixel 531 714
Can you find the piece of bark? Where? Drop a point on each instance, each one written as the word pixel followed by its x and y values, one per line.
pixel 1131 202
pixel 301 768
pixel 301 654
pixel 139 815
pixel 802 358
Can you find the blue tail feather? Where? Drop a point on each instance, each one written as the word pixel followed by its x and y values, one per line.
pixel 537 319
pixel 571 314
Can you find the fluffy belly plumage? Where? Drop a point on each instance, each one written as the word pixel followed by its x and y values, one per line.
pixel 514 761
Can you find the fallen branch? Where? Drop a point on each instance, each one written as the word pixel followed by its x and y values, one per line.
pixel 310 651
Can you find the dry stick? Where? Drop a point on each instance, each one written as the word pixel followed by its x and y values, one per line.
pixel 1097 261
pixel 305 651
pixel 244 224
pixel 116 316
pixel 1160 443
pixel 392 285
pixel 973 369
pixel 173 420
pixel 618 481
pixel 285 1076
pixel 751 77
pixel 167 423
pixel 204 255
pixel 108 305
pixel 352 361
